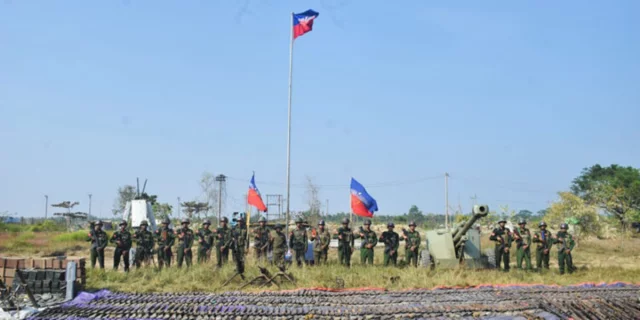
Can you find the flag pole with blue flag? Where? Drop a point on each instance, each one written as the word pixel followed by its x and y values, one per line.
pixel 301 24
pixel 362 204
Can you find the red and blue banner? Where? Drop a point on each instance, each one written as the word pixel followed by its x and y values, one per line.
pixel 303 22
pixel 362 203
pixel 253 197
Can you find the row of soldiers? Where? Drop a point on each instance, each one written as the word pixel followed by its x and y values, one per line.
pixel 544 240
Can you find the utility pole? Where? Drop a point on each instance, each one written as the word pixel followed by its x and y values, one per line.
pixel 326 214
pixel 220 178
pixel 89 204
pixel 446 199
pixel 46 206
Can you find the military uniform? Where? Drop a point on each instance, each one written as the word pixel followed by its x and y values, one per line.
pixel 543 238
pixel 369 241
pixel 205 242
pixel 99 241
pixel 145 243
pixel 123 240
pixel 239 241
pixel 391 241
pixel 321 241
pixel 165 238
pixel 412 245
pixel 298 242
pixel 279 244
pixel 346 243
pixel 223 242
pixel 261 240
pixel 523 245
pixel 565 243
pixel 185 242
pixel 503 239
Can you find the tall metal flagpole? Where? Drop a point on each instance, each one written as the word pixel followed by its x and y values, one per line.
pixel 289 123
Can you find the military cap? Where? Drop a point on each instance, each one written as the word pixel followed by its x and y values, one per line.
pixel 299 220
pixel 99 222
pixel 390 225
pixel 166 221
pixel 522 221
pixel 224 219
pixel 412 223
pixel 123 222
pixel 262 219
pixel 185 221
pixel 367 222
pixel 206 221
pixel 564 226
pixel 144 223
pixel 321 223
pixel 345 221
pixel 542 224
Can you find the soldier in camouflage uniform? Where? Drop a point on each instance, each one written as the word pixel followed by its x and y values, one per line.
pixel 522 236
pixel 279 244
pixel 391 241
pixel 565 243
pixel 123 240
pixel 145 243
pixel 369 241
pixel 298 241
pixel 186 238
pixel 543 238
pixel 165 238
pixel 346 243
pixel 223 242
pixel 321 239
pixel 502 236
pixel 99 241
pixel 240 234
pixel 261 240
pixel 205 241
pixel 412 244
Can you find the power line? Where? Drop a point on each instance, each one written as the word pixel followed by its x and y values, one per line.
pixel 346 184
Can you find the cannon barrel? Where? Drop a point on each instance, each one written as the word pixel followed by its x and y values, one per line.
pixel 479 211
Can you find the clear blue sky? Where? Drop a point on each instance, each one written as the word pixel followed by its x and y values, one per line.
pixel 511 99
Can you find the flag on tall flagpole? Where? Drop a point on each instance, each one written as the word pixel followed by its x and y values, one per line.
pixel 362 203
pixel 303 22
pixel 253 196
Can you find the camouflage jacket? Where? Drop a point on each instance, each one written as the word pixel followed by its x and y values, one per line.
pixel 224 237
pixel 345 237
pixel 391 241
pixel 279 242
pixel 241 236
pixel 321 240
pixel 368 237
pixel 122 239
pixel 98 239
pixel 413 239
pixel 298 239
pixel 144 239
pixel 261 237
pixel 564 241
pixel 543 238
pixel 165 237
pixel 504 234
pixel 522 237
pixel 205 238
pixel 186 238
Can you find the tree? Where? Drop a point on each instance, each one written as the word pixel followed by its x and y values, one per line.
pixel 210 191
pixel 313 214
pixel 524 214
pixel 161 210
pixel 416 215
pixel 194 208
pixel 125 194
pixel 542 213
pixel 615 189
pixel 572 209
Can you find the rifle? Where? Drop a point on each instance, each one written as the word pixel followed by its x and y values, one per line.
pixel 389 243
pixel 406 234
pixel 503 244
pixel 236 252
pixel 519 238
pixel 365 240
pixel 205 244
pixel 543 241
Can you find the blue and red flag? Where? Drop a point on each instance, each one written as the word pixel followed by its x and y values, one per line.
pixel 362 203
pixel 303 22
pixel 253 197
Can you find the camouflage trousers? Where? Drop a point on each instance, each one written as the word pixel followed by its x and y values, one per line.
pixel 125 257
pixel 523 254
pixel 298 255
pixel 164 256
pixel 203 254
pixel 501 255
pixel 366 255
pixel 390 258
pixel 542 259
pixel 320 257
pixel 261 254
pixel 184 254
pixel 97 255
pixel 565 259
pixel 411 257
pixel 222 255
pixel 143 255
pixel 344 254
pixel 278 258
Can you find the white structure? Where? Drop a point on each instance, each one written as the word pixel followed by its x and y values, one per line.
pixel 139 210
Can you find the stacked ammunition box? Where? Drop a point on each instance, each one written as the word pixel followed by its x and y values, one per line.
pixel 43 275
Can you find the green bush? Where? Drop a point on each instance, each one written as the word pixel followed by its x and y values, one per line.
pixel 80 235
pixel 47 226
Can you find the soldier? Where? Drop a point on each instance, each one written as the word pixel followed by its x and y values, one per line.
pixel 346 243
pixel 223 242
pixel 369 241
pixel 145 243
pixel 543 238
pixel 261 240
pixel 502 237
pixel 391 241
pixel 279 245
pixel 322 239
pixel 298 241
pixel 240 234
pixel 522 236
pixel 185 241
pixel 412 244
pixel 205 241
pixel 98 239
pixel 165 237
pixel 122 239
pixel 565 245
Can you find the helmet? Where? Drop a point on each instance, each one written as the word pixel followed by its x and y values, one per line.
pixel 92 223
pixel 144 223
pixel 224 219
pixel 166 221
pixel 412 223
pixel 345 221
pixel 278 226
pixel 207 221
pixel 390 225
pixel 185 221
pixel 262 219
pixel 542 224
pixel 367 222
pixel 240 219
pixel 99 222
pixel 299 220
pixel 522 221
pixel 564 226
pixel 123 222
pixel 321 223
pixel 502 220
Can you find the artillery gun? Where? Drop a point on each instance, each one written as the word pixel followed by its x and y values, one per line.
pixel 448 248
